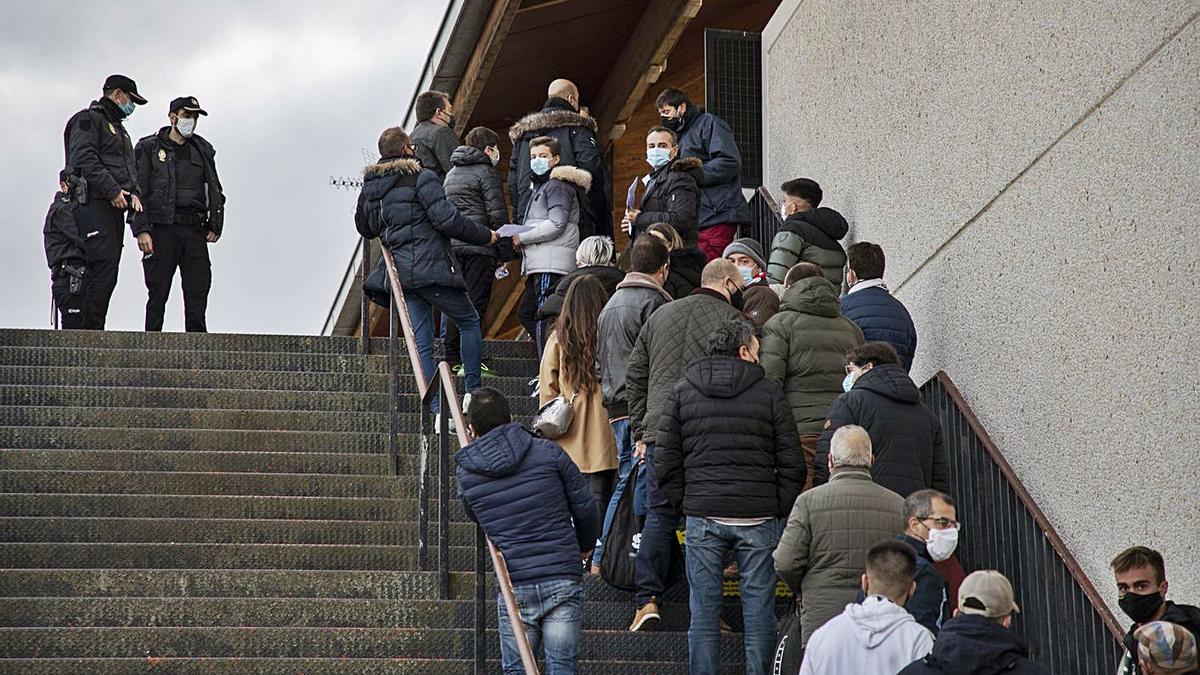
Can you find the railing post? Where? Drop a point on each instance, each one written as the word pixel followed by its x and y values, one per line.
pixel 394 389
pixel 443 491
pixel 423 478
pixel 480 603
pixel 364 346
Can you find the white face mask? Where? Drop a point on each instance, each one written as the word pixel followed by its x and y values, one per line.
pixel 185 126
pixel 942 543
pixel 783 211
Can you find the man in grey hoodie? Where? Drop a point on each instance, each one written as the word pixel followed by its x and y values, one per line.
pixel 877 637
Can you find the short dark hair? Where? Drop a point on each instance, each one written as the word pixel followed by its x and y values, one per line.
pixel 804 188
pixel 920 503
pixel 877 353
pixel 804 270
pixel 429 102
pixel 548 142
pixel 488 410
pixel 729 338
pixel 1139 556
pixel 891 567
pixel 866 259
pixel 393 141
pixel 648 255
pixel 664 130
pixel 482 137
pixel 672 97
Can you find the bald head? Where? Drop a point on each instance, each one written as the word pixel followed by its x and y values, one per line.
pixel 717 272
pixel 564 89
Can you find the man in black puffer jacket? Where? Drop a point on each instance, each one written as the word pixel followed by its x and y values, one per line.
pixel 560 119
pixel 475 189
pixel 406 207
pixel 671 193
pixel 905 435
pixel 728 457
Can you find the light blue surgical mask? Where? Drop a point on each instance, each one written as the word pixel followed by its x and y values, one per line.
pixel 848 382
pixel 540 165
pixel 657 157
pixel 747 275
pixel 127 108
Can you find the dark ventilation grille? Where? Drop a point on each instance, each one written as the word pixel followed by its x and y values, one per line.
pixel 733 92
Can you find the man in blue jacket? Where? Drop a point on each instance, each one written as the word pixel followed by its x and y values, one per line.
pixel 708 138
pixel 535 506
pixel 871 306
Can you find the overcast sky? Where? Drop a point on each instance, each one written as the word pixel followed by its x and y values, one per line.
pixel 294 91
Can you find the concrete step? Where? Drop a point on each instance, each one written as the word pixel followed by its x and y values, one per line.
pixel 103 438
pixel 175 418
pixel 655 647
pixel 193 360
pixel 222 556
pixel 195 483
pixel 318 666
pixel 199 379
pixel 216 506
pixel 223 531
pixel 283 612
pixel 203 461
pixel 201 399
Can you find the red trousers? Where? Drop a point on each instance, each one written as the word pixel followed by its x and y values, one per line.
pixel 715 238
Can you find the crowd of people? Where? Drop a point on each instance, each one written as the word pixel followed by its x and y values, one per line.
pixel 764 396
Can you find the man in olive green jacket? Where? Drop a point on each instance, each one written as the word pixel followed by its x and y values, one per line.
pixel 804 351
pixel 822 554
pixel 810 233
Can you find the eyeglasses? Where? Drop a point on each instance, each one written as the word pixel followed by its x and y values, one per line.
pixel 942 523
pixel 411 147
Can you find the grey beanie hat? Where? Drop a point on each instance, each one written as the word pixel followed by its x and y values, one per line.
pixel 747 247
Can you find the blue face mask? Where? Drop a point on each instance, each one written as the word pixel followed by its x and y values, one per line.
pixel 747 275
pixel 127 108
pixel 540 165
pixel 848 382
pixel 657 157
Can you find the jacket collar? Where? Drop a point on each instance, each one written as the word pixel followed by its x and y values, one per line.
pixel 708 292
pixel 867 283
pixel 640 280
pixel 850 473
pixel 405 165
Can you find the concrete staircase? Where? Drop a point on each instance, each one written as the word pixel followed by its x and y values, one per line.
pixel 222 504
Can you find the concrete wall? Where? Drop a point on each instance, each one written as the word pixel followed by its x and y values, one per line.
pixel 1032 170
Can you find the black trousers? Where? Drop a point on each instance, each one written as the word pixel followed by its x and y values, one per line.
pixel 479 271
pixel 183 247
pixel 102 226
pixel 538 287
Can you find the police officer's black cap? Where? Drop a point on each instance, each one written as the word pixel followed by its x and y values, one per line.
pixel 126 85
pixel 188 103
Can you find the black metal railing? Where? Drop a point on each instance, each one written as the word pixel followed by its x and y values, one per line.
pixel 764 212
pixel 441 389
pixel 1063 619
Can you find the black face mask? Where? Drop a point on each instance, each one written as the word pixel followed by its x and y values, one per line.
pixel 1140 607
pixel 672 123
pixel 737 299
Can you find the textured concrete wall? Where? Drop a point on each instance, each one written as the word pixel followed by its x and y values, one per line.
pixel 1032 170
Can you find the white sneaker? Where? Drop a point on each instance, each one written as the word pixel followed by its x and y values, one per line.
pixel 437 420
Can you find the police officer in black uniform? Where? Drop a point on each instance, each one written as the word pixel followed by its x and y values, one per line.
pixel 66 250
pixel 185 212
pixel 99 150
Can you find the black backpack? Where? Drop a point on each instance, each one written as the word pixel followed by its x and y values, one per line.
pixel 623 540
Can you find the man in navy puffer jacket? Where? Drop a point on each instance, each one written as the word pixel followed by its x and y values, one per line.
pixel 535 506
pixel 870 305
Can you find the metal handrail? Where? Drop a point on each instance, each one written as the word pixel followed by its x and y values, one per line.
pixel 443 387
pixel 1064 622
pixel 766 223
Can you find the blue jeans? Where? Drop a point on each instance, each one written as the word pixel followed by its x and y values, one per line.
pixel 652 570
pixel 456 305
pixel 624 437
pixel 706 544
pixel 552 612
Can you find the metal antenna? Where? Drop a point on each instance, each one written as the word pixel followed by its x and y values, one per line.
pixel 345 183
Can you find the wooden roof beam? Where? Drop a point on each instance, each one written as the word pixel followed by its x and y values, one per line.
pixel 491 38
pixel 640 63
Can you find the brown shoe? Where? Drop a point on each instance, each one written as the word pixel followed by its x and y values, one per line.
pixel 647 617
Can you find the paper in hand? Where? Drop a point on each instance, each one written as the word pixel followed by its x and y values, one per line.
pixel 510 230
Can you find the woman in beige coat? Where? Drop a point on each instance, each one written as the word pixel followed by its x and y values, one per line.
pixel 569 368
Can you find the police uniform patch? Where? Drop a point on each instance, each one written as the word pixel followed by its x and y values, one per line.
pixel 85 124
pixel 162 155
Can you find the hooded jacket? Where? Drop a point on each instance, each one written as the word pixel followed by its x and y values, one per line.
pixel 709 139
pixel 577 136
pixel 156 161
pixel 882 318
pixel 406 207
pixel 636 298
pixel 804 349
pixel 810 236
pixel 683 277
pixel 906 438
pixel 673 197
pixel 531 500
pixel 475 189
pixel 823 550
pixel 553 213
pixel 875 637
pixel 670 340
pixel 970 644
pixel 607 275
pixel 726 444
pixel 1186 616
pixel 98 148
